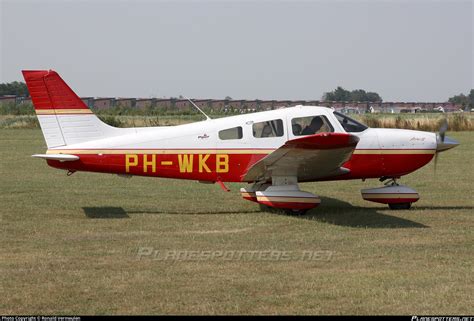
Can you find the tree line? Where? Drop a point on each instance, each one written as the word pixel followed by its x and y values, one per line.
pixel 464 100
pixel 16 88
pixel 341 94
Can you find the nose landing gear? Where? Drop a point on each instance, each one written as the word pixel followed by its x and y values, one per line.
pixel 399 206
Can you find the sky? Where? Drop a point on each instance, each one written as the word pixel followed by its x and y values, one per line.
pixel 404 50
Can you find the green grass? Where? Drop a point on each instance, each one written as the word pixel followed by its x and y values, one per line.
pixel 69 245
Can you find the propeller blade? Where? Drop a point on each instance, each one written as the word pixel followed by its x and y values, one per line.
pixel 442 129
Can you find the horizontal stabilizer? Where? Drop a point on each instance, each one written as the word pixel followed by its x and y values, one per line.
pixel 59 157
pixel 339 171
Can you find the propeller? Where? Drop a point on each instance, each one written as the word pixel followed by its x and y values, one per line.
pixel 440 139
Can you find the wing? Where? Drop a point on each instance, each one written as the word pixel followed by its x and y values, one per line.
pixel 307 158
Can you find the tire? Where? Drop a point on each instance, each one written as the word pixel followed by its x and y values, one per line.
pixel 399 206
pixel 295 212
pixel 269 209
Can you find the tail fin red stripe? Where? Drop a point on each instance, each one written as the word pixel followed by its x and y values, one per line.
pixel 49 91
pixel 37 88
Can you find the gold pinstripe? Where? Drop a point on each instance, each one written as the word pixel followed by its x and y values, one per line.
pixel 393 151
pixel 226 151
pixel 62 111
pixel 158 151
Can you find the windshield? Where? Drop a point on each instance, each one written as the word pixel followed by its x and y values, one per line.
pixel 349 124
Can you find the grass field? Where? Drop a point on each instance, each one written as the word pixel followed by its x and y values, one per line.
pixel 71 245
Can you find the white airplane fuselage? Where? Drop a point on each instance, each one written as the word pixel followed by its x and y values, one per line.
pixel 195 151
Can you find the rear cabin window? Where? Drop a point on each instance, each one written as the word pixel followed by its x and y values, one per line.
pixel 270 128
pixel 231 133
pixel 310 125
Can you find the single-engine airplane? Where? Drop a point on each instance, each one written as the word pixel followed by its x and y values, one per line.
pixel 271 150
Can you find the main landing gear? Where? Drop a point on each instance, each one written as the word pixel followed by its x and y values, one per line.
pixel 398 197
pixel 399 206
pixel 283 194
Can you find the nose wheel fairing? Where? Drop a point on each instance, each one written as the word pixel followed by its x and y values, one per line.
pixel 396 196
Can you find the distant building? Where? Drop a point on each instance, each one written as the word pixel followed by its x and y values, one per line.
pixel 235 104
pixel 8 99
pixel 266 105
pixel 182 104
pixel 125 102
pixel 338 105
pixel 26 100
pixel 450 107
pixel 250 105
pixel 387 107
pixel 281 103
pixel 143 103
pixel 311 103
pixel 103 103
pixel 297 102
pixel 163 104
pixel 218 104
pixel 89 101
pixel 202 103
pixel 326 103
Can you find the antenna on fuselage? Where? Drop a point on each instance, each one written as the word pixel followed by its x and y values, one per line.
pixel 207 117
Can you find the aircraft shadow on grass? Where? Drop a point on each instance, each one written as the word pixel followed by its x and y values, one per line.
pixel 331 211
pixel 337 212
pixel 119 212
pixel 105 212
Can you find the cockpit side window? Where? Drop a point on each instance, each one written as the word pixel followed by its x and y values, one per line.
pixel 350 125
pixel 270 128
pixel 310 125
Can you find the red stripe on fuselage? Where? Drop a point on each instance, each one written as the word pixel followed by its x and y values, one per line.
pixel 205 167
pixel 235 166
pixel 376 165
